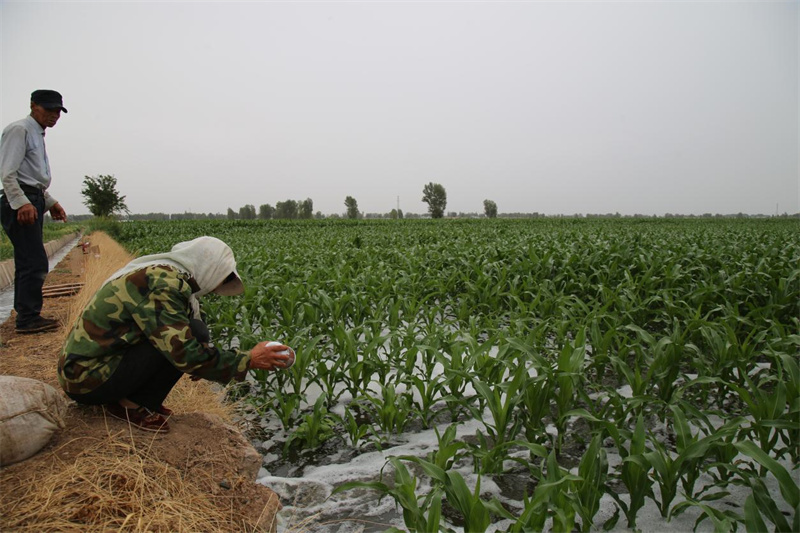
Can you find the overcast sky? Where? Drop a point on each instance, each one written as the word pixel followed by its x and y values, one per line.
pixel 553 107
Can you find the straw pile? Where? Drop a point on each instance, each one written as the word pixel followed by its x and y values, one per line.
pixel 112 486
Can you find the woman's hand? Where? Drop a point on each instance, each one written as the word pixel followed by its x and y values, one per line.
pixel 268 357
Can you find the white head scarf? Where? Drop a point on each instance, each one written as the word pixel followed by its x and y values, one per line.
pixel 207 259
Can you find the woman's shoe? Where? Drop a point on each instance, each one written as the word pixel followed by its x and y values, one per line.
pixel 141 417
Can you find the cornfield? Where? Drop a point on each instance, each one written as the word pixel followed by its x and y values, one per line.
pixel 670 344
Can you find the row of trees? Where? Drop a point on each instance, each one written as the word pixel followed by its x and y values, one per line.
pixel 433 194
pixel 103 200
pixel 290 209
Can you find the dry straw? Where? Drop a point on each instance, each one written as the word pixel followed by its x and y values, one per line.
pixel 115 486
pixel 104 258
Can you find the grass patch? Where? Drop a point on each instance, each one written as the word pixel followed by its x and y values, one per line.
pixel 50 232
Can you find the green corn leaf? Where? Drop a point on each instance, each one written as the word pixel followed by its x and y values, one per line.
pixel 431 469
pixel 349 485
pixel 475 515
pixel 433 505
pixel 609 524
pixel 752 517
pixel 495 506
pixel 768 506
pixel 788 486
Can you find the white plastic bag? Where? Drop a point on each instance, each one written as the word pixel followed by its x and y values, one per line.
pixel 30 412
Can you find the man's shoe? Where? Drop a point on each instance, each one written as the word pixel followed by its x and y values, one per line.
pixel 38 325
pixel 141 417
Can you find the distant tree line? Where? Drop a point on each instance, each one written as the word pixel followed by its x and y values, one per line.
pixel 103 200
pixel 287 210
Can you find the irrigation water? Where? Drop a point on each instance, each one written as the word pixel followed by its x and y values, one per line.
pixel 305 480
pixel 7 294
pixel 305 487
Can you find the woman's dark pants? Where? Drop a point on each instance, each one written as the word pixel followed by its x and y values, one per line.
pixel 144 376
pixel 30 259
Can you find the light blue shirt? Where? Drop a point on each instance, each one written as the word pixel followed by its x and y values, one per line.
pixel 23 159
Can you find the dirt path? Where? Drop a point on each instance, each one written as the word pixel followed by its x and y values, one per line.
pixel 98 474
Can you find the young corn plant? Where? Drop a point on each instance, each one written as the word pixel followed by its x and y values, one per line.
pixel 403 355
pixel 356 429
pixel 724 521
pixel 285 406
pixel 456 364
pixel 726 356
pixel 722 458
pixel 759 503
pixel 421 514
pixel 473 511
pixel 689 460
pixel 447 449
pixel 316 427
pixel 371 349
pixel 774 418
pixel 501 402
pixel 696 451
pixel 301 374
pixel 593 473
pixel 634 474
pixel 490 368
pixel 569 375
pixel 537 395
pixel 603 339
pixel 789 374
pixel 429 392
pixel 391 411
pixel 535 402
pixel 352 370
pixel 663 358
pixel 430 346
pixel 329 372
pixel 639 382
pixel 559 487
pixel 463 354
pixel 554 497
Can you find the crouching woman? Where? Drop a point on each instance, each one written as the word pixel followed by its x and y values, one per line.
pixel 142 331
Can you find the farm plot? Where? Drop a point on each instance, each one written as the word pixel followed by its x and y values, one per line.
pixel 521 375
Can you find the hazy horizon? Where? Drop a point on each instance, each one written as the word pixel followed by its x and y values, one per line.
pixel 556 108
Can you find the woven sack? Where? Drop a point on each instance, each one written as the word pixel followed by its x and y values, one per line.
pixel 30 412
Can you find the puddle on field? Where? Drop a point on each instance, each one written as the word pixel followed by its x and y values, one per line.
pixel 305 480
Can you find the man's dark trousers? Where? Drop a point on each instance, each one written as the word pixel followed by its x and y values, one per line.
pixel 30 259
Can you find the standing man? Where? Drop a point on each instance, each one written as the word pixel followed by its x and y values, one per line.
pixel 25 173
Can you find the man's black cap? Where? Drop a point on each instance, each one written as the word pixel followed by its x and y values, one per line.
pixel 48 99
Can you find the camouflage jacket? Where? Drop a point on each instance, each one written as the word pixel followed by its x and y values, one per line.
pixel 147 305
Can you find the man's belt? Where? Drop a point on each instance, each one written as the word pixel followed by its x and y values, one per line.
pixel 30 189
